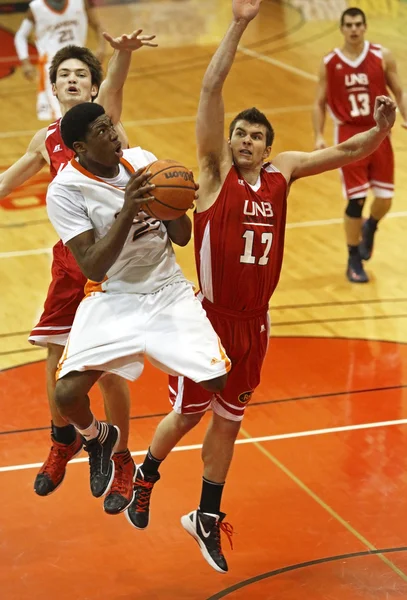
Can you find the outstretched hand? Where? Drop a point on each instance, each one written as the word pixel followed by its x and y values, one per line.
pixel 131 42
pixel 385 112
pixel 245 10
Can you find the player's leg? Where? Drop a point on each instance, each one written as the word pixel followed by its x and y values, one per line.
pixel 382 184
pixel 44 111
pixel 355 186
pixel 72 401
pixel 52 101
pixel 169 432
pixel 247 344
pixel 117 404
pixel 116 345
pixel 64 295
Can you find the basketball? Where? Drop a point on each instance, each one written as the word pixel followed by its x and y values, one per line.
pixel 174 190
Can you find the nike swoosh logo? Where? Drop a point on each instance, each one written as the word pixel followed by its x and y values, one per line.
pixel 206 534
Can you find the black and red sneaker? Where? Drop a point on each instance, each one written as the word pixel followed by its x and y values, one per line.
pixel 205 529
pixel 138 512
pixel 121 492
pixel 52 472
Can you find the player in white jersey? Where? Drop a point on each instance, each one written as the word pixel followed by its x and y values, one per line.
pixel 142 305
pixel 76 78
pixel 57 23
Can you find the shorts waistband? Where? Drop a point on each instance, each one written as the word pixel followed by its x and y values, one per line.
pixel 240 315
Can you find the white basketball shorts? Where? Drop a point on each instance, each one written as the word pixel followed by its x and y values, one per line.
pixel 114 332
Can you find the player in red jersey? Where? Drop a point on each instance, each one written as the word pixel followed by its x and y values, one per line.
pixel 239 239
pixel 350 78
pixel 76 76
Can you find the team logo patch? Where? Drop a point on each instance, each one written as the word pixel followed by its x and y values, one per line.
pixel 245 397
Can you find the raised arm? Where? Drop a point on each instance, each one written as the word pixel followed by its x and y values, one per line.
pixel 21 45
pixel 111 91
pixel 94 23
pixel 319 109
pixel 213 153
pixel 26 166
pixel 294 165
pixel 394 83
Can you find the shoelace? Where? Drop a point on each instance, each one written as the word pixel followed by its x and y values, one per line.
pixel 56 453
pixel 122 483
pixel 227 529
pixel 143 495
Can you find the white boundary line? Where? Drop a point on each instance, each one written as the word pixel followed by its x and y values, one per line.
pixel 266 438
pixel 277 63
pixel 298 225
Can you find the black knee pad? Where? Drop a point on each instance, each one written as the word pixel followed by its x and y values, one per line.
pixel 355 207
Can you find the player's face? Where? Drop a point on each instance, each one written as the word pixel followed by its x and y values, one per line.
pixel 102 145
pixel 353 30
pixel 73 83
pixel 248 145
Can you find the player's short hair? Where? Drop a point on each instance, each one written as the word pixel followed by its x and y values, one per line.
pixel 82 54
pixel 75 123
pixel 353 12
pixel 255 117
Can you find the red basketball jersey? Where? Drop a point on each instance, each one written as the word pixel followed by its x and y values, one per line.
pixel 58 153
pixel 352 85
pixel 239 241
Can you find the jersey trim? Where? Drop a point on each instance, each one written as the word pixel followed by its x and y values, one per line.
pixel 358 61
pixel 76 165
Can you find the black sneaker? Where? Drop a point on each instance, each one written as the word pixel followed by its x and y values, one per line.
pixel 205 529
pixel 366 245
pixel 355 271
pixel 138 512
pixel 100 458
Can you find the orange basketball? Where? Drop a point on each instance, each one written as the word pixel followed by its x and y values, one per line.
pixel 174 190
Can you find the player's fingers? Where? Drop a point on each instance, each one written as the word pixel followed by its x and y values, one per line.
pixel 138 178
pixel 135 33
pixel 150 44
pixel 108 37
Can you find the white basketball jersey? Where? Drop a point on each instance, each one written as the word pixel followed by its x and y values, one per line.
pixel 78 201
pixel 56 29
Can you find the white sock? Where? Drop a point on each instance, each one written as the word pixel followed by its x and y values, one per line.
pixel 91 432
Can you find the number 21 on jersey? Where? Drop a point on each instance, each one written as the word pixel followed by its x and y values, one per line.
pixel 247 256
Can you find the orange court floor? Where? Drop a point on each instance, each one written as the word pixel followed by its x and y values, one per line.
pixel 317 491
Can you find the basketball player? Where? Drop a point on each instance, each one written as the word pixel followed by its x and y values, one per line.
pixel 76 76
pixel 142 305
pixel 349 81
pixel 239 228
pixel 57 23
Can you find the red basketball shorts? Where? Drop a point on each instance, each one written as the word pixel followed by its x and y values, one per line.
pixel 375 171
pixel 65 293
pixel 244 336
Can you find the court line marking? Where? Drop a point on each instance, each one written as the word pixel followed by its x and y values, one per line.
pixel 298 225
pixel 240 441
pixel 277 63
pixel 171 120
pixel 324 505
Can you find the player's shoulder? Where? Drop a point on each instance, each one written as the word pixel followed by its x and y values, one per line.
pixel 269 167
pixel 138 157
pixel 330 56
pixel 67 176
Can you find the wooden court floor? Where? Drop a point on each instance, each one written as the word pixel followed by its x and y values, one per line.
pixel 317 489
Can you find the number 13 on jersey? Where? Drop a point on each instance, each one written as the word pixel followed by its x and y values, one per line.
pixel 247 256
